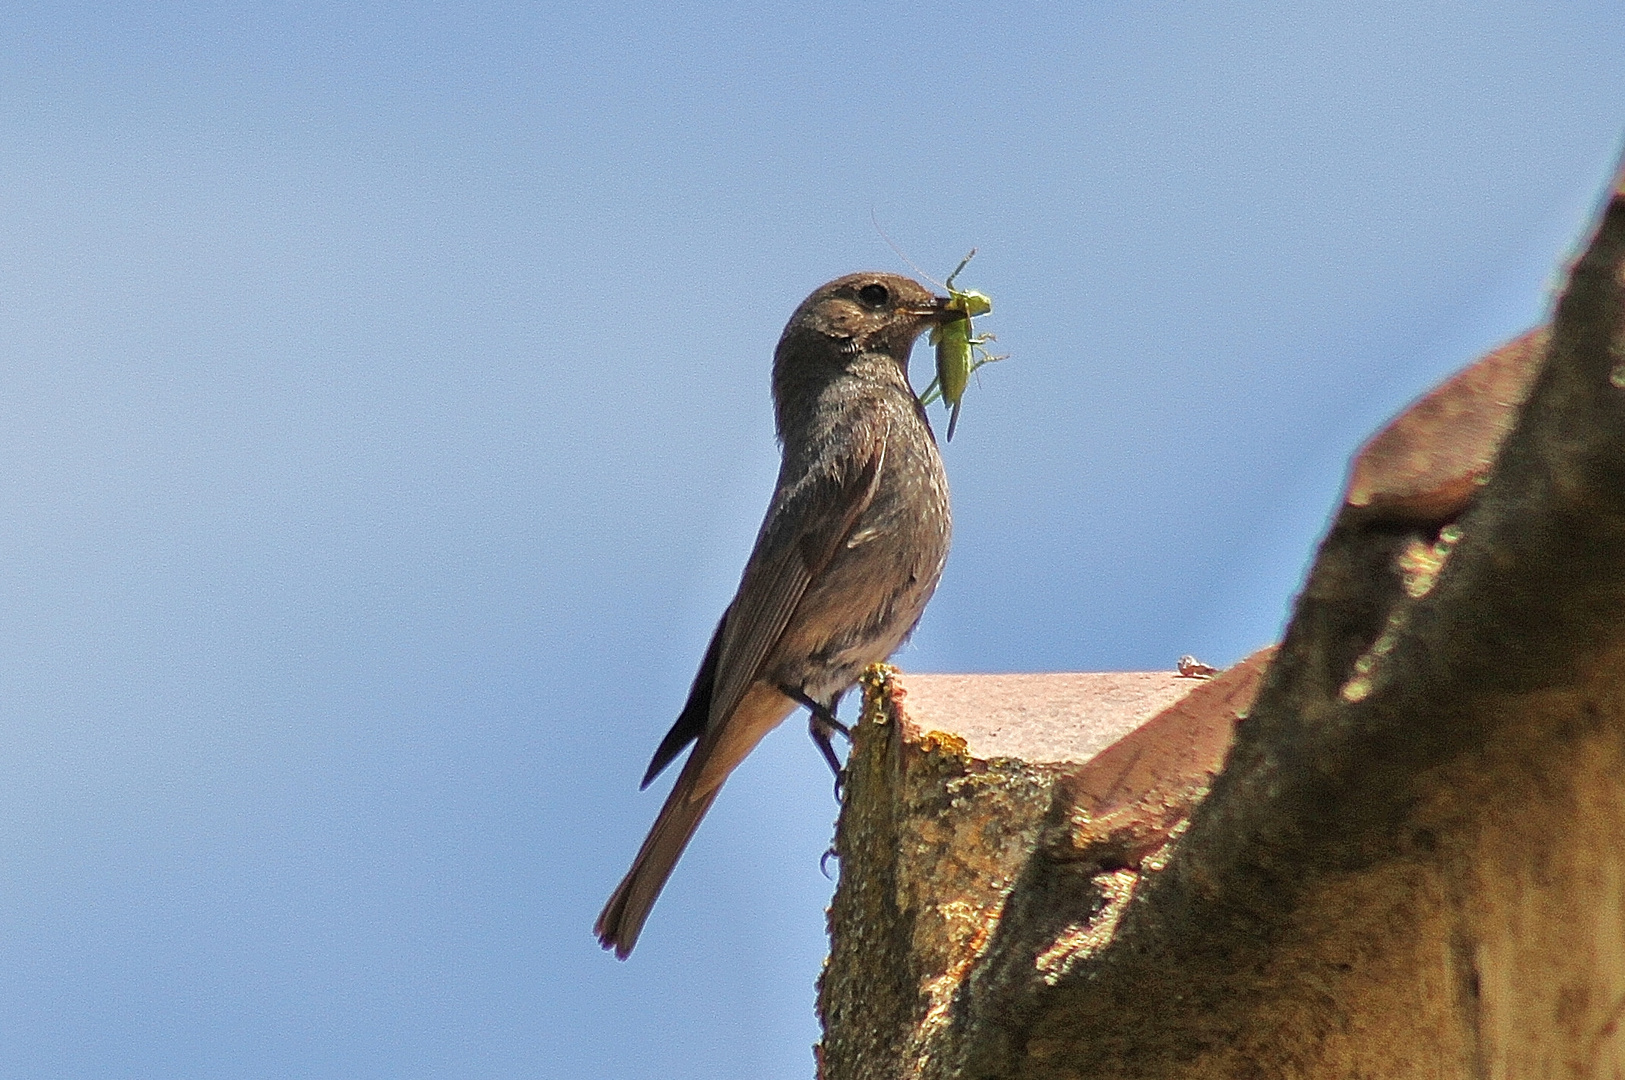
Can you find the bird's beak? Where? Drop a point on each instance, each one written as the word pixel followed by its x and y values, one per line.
pixel 939 311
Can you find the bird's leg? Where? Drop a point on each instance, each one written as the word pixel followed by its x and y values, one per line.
pixel 821 725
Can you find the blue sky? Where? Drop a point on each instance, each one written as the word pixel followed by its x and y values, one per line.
pixel 384 423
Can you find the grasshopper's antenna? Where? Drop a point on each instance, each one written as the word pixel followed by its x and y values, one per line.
pixel 875 221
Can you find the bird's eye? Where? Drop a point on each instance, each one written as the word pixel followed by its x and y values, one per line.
pixel 875 295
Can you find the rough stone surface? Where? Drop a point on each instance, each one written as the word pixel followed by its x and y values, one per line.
pixel 1429 462
pixel 1050 718
pixel 953 782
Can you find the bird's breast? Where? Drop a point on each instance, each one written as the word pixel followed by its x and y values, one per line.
pixel 874 589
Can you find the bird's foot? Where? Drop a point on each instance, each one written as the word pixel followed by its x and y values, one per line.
pixel 821 728
pixel 821 725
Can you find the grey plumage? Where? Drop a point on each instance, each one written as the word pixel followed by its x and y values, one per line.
pixel 850 551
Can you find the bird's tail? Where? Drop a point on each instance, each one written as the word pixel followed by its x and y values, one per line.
pixel 621 920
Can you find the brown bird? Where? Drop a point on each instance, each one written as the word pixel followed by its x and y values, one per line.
pixel 851 549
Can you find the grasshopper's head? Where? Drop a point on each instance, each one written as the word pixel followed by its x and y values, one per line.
pixel 971 302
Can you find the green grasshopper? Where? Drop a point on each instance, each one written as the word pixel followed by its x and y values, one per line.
pixel 959 354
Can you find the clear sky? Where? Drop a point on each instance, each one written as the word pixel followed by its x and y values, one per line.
pixel 384 424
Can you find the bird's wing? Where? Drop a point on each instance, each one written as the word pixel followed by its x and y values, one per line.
pixel 805 527
pixel 696 712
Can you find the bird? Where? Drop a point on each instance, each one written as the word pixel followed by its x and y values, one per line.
pixel 852 547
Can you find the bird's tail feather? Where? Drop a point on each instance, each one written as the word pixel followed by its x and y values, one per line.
pixel 621 920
